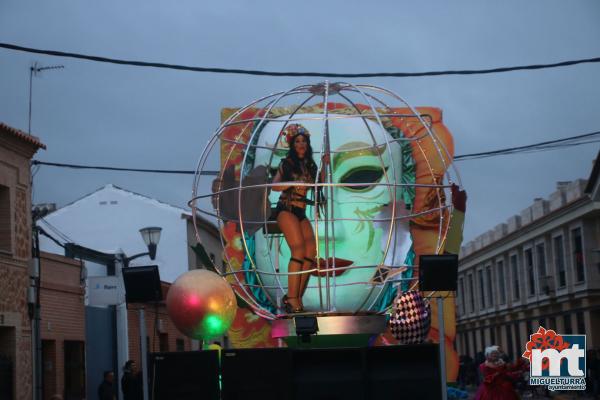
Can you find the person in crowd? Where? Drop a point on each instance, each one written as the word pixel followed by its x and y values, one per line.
pixel 479 359
pixel 131 382
pixel 106 390
pixel 593 373
pixel 462 372
pixel 498 377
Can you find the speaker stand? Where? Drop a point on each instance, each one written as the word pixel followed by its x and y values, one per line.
pixel 144 352
pixel 442 340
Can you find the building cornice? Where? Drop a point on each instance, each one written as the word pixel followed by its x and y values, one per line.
pixel 590 295
pixel 592 183
pixel 574 210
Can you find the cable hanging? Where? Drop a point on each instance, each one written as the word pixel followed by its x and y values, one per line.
pixel 541 146
pixel 313 74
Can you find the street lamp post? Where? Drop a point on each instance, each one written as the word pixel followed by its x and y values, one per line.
pixel 151 237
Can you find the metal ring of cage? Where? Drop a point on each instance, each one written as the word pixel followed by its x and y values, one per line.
pixel 370 95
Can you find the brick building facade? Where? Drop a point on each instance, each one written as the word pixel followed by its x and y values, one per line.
pixel 162 335
pixel 16 150
pixel 62 327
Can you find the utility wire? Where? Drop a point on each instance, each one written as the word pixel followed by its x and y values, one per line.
pixel 542 146
pixel 43 232
pixel 314 74
pixel 56 230
pixel 547 145
pixel 96 167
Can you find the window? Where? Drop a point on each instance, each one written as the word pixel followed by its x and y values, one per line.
pixel 481 290
pixel 501 282
pixel 540 255
pixel 179 345
pixel 471 294
pixel 552 323
pixel 493 334
pixel 578 254
pixel 467 349
pixel 5 223
pixel 490 292
pixel 74 369
pixel 163 342
pixel 543 322
pixel 482 338
pixel 559 261
pixel 518 338
pixel 568 329
pixel 461 300
pixel 474 341
pixel 580 323
pixel 530 272
pixel 509 340
pixel 514 266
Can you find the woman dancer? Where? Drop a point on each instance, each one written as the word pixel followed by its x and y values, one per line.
pixel 297 166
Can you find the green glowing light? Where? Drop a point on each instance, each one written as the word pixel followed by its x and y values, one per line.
pixel 214 325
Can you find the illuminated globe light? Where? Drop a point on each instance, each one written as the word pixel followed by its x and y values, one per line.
pixel 387 191
pixel 201 304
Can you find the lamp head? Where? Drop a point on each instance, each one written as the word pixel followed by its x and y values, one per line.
pixel 151 236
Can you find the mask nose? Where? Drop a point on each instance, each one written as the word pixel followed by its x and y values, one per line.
pixel 333 229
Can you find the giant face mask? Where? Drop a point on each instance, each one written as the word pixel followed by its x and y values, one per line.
pixel 361 236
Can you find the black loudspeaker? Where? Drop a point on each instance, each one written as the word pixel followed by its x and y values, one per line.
pixel 261 374
pixel 329 374
pixel 438 272
pixel 184 375
pixel 403 372
pixel 142 284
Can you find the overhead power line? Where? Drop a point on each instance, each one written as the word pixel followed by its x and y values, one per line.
pixel 541 146
pixel 587 138
pixel 313 74
pixel 106 168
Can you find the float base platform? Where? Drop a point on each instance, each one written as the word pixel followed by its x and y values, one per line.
pixel 306 330
pixel 399 372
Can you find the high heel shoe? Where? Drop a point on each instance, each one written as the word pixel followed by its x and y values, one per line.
pixel 288 306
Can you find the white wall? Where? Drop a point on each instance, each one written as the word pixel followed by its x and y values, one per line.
pixel 110 219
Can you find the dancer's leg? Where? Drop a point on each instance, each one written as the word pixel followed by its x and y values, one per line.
pixel 310 252
pixel 290 226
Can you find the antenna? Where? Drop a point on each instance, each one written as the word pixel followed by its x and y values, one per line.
pixel 34 70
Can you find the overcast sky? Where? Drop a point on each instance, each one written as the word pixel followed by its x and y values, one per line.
pixel 103 114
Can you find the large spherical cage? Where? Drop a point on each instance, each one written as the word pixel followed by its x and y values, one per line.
pixel 396 135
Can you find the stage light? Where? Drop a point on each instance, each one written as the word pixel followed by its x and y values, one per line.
pixel 306 326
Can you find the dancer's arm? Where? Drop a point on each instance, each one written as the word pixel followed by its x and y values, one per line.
pixel 278 178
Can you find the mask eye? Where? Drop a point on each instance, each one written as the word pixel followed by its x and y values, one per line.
pixel 364 175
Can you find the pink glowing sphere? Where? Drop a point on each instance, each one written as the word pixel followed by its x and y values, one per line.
pixel 201 304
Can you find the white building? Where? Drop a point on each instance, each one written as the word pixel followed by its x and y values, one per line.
pixel 108 220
